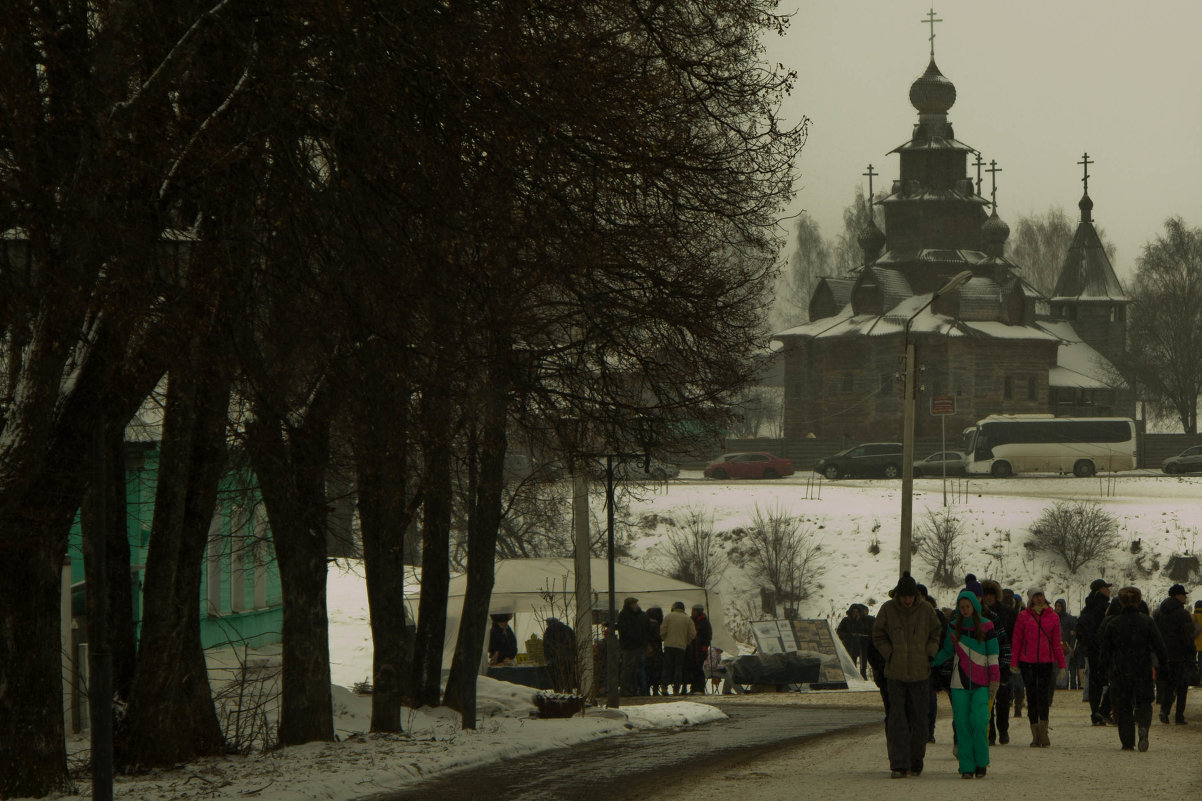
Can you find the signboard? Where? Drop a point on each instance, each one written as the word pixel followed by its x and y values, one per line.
pixel 943 404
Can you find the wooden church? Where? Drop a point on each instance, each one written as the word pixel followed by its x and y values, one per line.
pixel 996 345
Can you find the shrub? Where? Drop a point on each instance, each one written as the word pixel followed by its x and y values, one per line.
pixel 938 546
pixel 1079 532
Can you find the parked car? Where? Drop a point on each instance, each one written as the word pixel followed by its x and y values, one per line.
pixel 937 463
pixel 869 459
pixel 1187 461
pixel 758 464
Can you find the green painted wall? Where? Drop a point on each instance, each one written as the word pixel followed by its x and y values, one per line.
pixel 240 598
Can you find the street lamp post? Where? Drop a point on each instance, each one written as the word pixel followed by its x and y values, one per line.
pixel 907 509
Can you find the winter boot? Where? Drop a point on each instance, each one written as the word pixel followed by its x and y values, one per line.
pixel 1143 738
pixel 1044 742
pixel 1036 737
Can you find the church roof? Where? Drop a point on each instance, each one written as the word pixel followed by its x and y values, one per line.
pixel 1086 273
pixel 1077 364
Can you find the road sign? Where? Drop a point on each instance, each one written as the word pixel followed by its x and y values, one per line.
pixel 943 404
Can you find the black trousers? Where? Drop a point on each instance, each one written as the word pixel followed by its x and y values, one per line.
pixel 999 717
pixel 1132 703
pixel 906 725
pixel 1099 703
pixel 1171 686
pixel 1040 681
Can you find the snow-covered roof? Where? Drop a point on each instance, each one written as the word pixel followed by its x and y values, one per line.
pixel 846 323
pixel 1078 365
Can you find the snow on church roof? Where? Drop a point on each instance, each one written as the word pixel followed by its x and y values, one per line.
pixel 1077 364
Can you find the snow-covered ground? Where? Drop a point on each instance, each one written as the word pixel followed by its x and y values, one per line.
pixel 849 518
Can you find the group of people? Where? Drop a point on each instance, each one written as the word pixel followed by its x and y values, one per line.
pixel 659 652
pixel 992 645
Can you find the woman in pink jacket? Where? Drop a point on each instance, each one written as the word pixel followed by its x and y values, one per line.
pixel 1036 653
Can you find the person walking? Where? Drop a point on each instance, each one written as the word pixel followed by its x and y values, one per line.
pixel 1197 618
pixel 677 631
pixel 1036 653
pixel 906 633
pixel 1068 639
pixel 855 630
pixel 1177 630
pixel 632 642
pixel 1003 617
pixel 972 645
pixel 1128 644
pixel 1088 623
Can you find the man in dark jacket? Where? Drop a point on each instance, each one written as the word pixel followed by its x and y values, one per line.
pixel 855 630
pixel 1003 617
pixel 502 642
pixel 632 642
pixel 1177 630
pixel 655 653
pixel 700 649
pixel 1127 643
pixel 906 633
pixel 1088 623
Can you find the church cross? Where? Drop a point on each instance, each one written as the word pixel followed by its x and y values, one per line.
pixel 930 20
pixel 979 163
pixel 870 174
pixel 993 170
pixel 1085 162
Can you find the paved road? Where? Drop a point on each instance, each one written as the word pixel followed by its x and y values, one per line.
pixel 591 771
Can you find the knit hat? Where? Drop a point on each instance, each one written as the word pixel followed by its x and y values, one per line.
pixel 1177 589
pixel 972 585
pixel 678 605
pixel 1033 591
pixel 698 608
pixel 630 600
pixel 906 585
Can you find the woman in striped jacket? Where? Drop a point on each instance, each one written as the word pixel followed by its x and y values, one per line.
pixel 973 646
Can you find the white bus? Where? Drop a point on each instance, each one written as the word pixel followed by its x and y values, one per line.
pixel 1002 445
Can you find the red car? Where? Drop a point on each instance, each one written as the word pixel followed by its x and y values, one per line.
pixel 749 465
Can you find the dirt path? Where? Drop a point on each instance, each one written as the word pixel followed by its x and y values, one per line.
pixel 1083 764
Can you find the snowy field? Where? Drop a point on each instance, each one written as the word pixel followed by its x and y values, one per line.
pixel 847 518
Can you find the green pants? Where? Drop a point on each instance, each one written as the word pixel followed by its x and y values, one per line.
pixel 970 711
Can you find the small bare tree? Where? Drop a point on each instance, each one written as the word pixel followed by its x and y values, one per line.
pixel 939 548
pixel 1079 532
pixel 693 551
pixel 778 551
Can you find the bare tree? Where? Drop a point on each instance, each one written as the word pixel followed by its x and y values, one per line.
pixel 939 546
pixel 693 549
pixel 1079 532
pixel 810 261
pixel 1164 332
pixel 777 550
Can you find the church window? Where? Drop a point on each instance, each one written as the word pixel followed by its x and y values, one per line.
pixel 1112 313
pixel 1008 387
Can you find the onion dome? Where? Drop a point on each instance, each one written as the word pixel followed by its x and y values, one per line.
pixel 932 93
pixel 871 240
pixel 1086 206
pixel 994 234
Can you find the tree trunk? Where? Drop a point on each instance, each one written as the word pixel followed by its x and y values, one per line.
pixel 436 539
pixel 122 638
pixel 290 466
pixel 482 550
pixel 384 515
pixel 171 716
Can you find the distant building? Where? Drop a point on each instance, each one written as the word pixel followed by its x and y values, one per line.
pixel 996 344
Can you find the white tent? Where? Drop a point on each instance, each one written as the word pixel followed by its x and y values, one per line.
pixel 533 589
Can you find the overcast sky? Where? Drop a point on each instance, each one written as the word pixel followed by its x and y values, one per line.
pixel 1038 84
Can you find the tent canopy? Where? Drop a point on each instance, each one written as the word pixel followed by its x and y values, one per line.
pixel 534 589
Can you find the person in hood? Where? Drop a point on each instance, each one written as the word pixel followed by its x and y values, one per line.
pixel 1128 644
pixel 1088 623
pixel 1003 618
pixel 1177 629
pixel 1035 651
pixel 972 645
pixel 855 630
pixel 906 634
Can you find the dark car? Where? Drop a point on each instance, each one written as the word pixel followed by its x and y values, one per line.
pixel 938 464
pixel 1188 461
pixel 869 459
pixel 758 464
